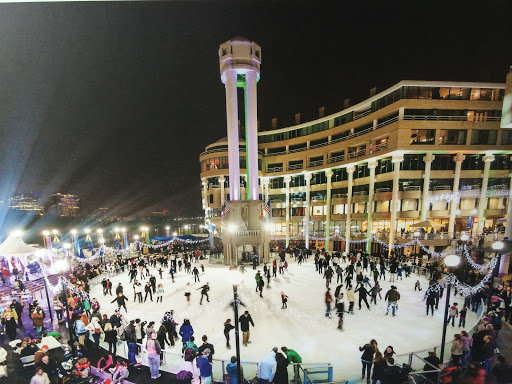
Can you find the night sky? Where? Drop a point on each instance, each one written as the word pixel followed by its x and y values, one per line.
pixel 115 101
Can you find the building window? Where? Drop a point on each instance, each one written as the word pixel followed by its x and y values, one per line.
pixel 501 162
pixel 443 163
pixel 298 211
pixel 483 137
pixel 413 163
pixel 472 162
pixel 277 182
pixel 440 185
pixel 384 166
pixel 211 198
pixel 423 136
pixel 340 174
pixel 452 137
pixel 506 137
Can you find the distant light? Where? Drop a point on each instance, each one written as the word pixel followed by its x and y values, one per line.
pixel 498 245
pixel 123 230
pixel 374 232
pixel 185 226
pixel 235 277
pixel 66 245
pixel 17 233
pixel 55 232
pixel 464 237
pixel 46 233
pixel 99 230
pixel 232 228
pixel 201 226
pixel 474 211
pixel 102 240
pixel 269 226
pixel 74 232
pixel 136 237
pixel 174 234
pixel 61 265
pixel 457 212
pixel 416 234
pixel 116 229
pixel 87 230
pixel 452 260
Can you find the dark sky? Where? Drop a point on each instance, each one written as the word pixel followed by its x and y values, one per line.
pixel 115 101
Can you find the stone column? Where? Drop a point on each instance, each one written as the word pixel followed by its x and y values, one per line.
pixel 266 182
pixel 287 180
pixel 488 159
pixel 328 175
pixel 428 158
pixel 458 158
pixel 252 135
pixel 307 177
pixel 233 140
pixel 350 171
pixel 222 180
pixel 204 182
pixel 397 159
pixel 372 164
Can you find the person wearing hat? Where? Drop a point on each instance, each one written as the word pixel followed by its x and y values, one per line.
pixel 40 353
pixel 244 320
pixel 392 296
pixel 205 366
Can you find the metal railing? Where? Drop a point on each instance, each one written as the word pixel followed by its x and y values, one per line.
pixel 357 153
pixel 365 113
pixel 442 188
pixel 292 167
pixel 412 188
pixel 449 118
pixel 316 163
pixel 386 122
pixel 470 187
pixel 317 198
pixel 339 195
pixel 380 147
pixel 274 169
pixel 359 193
pixel 296 199
pixel 336 159
pixel 380 190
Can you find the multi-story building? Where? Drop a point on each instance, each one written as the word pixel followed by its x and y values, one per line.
pixel 64 205
pixel 26 202
pixel 420 150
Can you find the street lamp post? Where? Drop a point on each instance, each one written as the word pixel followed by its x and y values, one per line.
pixel 61 266
pixel 497 246
pixel 451 262
pixel 40 253
pixel 236 280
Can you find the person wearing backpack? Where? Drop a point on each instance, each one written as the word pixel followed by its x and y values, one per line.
pixel 189 349
pixel 205 366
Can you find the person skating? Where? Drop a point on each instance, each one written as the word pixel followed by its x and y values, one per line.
pixel 462 316
pixel 195 272
pixel 261 284
pixel 340 310
pixel 284 300
pixel 417 285
pixel 351 297
pixel 257 277
pixel 160 271
pixel 374 292
pixel 431 296
pixel 244 321
pixel 152 280
pixel 339 273
pixel 367 358
pixel 362 296
pixel 328 301
pixel 172 271
pixel 137 291
pixel 392 296
pixel 160 293
pixel 267 275
pixel 133 274
pixel 204 292
pixel 119 289
pixel 186 331
pixel 328 276
pixel 227 328
pixel 121 301
pixel 149 290
pixel 453 312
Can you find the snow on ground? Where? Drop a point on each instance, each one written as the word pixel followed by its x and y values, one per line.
pixel 302 327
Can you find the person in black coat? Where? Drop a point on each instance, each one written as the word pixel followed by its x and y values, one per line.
pixel 362 296
pixel 115 319
pixel 121 301
pixel 367 358
pixel 281 375
pixel 244 320
pixel 391 373
pixel 206 345
pixel 227 328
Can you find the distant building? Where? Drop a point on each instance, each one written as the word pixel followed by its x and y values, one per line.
pixel 26 202
pixel 64 205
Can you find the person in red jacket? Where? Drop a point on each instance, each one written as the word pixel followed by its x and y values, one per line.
pixel 453 312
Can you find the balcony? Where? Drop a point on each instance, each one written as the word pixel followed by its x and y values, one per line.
pixel 315 163
pixel 442 188
pixel 447 118
pixel 382 190
pixel 274 169
pixel 336 159
pixel 292 167
pixel 380 147
pixel 357 153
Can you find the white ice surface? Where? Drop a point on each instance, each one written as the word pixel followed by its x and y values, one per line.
pixel 302 327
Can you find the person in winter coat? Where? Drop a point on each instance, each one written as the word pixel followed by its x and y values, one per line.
pixel 502 370
pixel 379 364
pixel 391 372
pixel 362 296
pixel 474 375
pixel 95 328
pixel 9 317
pixel 389 352
pixel 231 369
pixel 244 321
pixel 121 301
pixel 431 296
pixel 374 292
pixel 154 350
pixel 186 331
pixel 487 355
pixel 456 350
pixel 284 300
pixel 351 297
pixel 38 319
pixel 367 358
pixel 227 328
pixel 281 376
pixel 328 300
pixel 392 296
pixel 111 338
pixel 453 312
pixel 80 330
pixel 267 368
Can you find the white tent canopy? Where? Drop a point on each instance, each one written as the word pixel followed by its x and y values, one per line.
pixel 14 246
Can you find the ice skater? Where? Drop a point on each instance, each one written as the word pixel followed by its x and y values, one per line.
pixel 227 328
pixel 362 296
pixel 204 292
pixel 160 293
pixel 340 311
pixel 195 271
pixel 328 301
pixel 284 300
pixel 121 301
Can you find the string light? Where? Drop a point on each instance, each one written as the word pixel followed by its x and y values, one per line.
pixel 469 193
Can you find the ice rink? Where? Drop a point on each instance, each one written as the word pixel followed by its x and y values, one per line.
pixel 302 327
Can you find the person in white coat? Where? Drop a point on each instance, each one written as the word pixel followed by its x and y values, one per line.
pixel 267 368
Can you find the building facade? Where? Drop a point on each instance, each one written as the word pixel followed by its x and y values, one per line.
pixel 64 205
pixel 420 150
